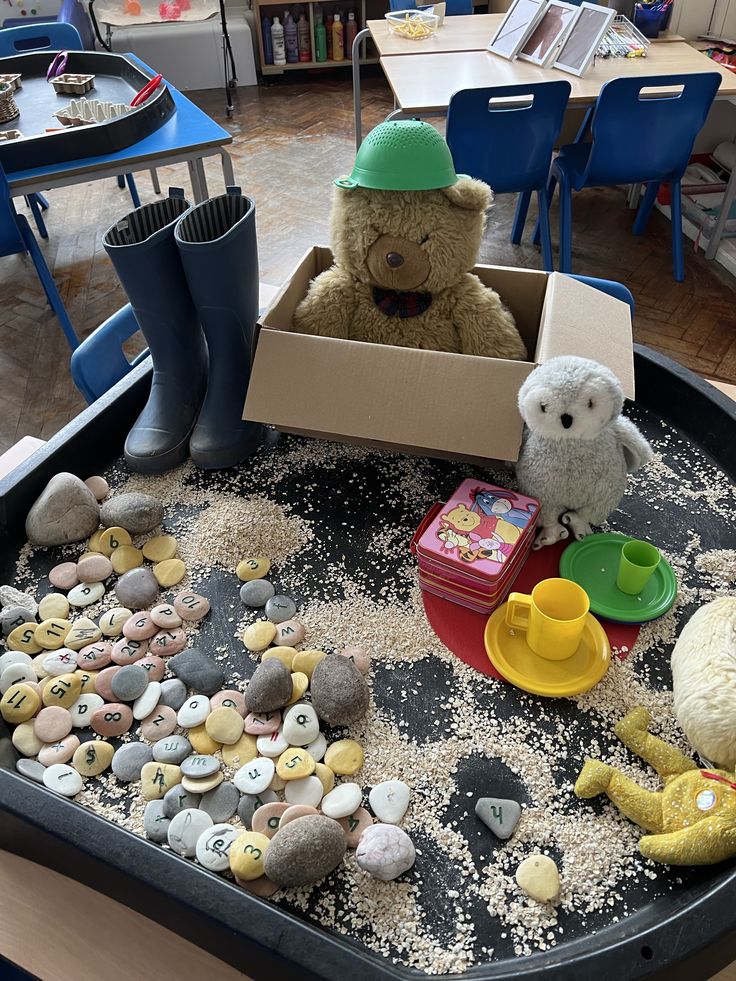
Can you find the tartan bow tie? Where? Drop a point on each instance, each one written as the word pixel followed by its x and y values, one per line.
pixel 397 303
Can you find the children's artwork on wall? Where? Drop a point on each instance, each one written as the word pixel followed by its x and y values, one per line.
pixel 550 33
pixel 584 38
pixel 515 28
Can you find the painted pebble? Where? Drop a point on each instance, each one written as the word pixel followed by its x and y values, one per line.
pixel 94 568
pixel 262 723
pixel 359 657
pixel 294 811
pixel 342 801
pixel 129 682
pixel 266 819
pixel 165 617
pixel 113 538
pixel 160 548
pixel 15 674
pixel 155 666
pixel 306 661
pixel 259 635
pixel 168 642
pixel 63 690
pixel 308 790
pixel 354 825
pixel 147 701
pixel 225 725
pixel 213 846
pixel 200 766
pixel 64 575
pixel 284 654
pixel 94 656
pixel 155 822
pixel 538 877
pixel 111 623
pixel 139 513
pixel 241 752
pixel 50 634
pixel 280 608
pixel 60 751
pixel 305 851
pixel 112 719
pixel 269 688
pixel 99 487
pixel 126 651
pixel 62 779
pixel 497 813
pixel 272 745
pixel 289 633
pixel 252 568
pixel 31 769
pixel 172 749
pixel 317 748
pixel 15 616
pixel 185 830
pixel 129 760
pixel 169 572
pixel 83 709
pixel 160 723
pixel 93 758
pixel 193 712
pixel 389 801
pixel 52 723
pixel 84 631
pixel 85 594
pixel 157 778
pixel 256 592
pixel 125 558
pixel 53 605
pixel 137 589
pixel 229 698
pixel 385 851
pixel 21 639
pixel 191 606
pixel 14 657
pixel 345 757
pixel 249 804
pixel 255 777
pixel 89 682
pixel 60 662
pixel 295 764
pixel 178 799
pixel 197 671
pixel 140 627
pixel 247 855
pixel 221 803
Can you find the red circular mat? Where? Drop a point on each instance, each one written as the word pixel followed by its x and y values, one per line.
pixel 461 630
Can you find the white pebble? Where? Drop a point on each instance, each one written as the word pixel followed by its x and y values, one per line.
pixel 389 801
pixel 81 711
pixel 62 779
pixel 147 702
pixel 213 846
pixel 301 725
pixel 63 661
pixel 254 777
pixel 193 712
pixel 307 790
pixel 343 801
pixel 14 674
pixel 86 593
pixel 273 744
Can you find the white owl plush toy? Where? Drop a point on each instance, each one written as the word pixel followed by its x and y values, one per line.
pixel 578 448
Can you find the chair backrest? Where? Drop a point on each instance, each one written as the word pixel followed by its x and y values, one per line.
pixel 453 8
pixel 507 144
pixel 11 242
pixel 637 138
pixel 38 37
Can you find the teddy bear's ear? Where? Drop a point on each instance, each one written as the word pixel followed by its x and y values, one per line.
pixel 470 194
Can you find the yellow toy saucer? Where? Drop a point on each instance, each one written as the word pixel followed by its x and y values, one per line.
pixel 515 661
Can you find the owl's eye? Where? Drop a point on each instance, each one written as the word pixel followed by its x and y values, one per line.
pixel 590 403
pixel 543 407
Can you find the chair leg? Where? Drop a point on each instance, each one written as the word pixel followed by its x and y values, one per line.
pixel 42 201
pixel 565 226
pixel 551 187
pixel 678 259
pixel 547 258
pixel 49 285
pixel 121 181
pixel 35 205
pixel 133 191
pixel 154 181
pixel 522 208
pixel 645 208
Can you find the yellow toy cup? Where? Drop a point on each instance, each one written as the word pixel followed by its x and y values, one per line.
pixel 553 616
pixel 638 563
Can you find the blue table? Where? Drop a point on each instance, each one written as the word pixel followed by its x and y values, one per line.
pixel 188 137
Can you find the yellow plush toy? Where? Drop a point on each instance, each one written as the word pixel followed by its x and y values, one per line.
pixel 406 231
pixel 691 822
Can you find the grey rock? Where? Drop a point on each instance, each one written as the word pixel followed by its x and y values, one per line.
pixel 155 822
pixel 173 693
pixel 197 671
pixel 177 799
pixel 129 682
pixel 67 511
pixel 172 749
pixel 304 851
pixel 137 589
pixel 270 687
pixel 249 804
pixel 31 769
pixel 15 616
pixel 186 828
pixel 256 592
pixel 200 766
pixel 222 802
pixel 130 759
pixel 137 513
pixel 10 596
pixel 280 608
pixel 339 691
pixel 499 814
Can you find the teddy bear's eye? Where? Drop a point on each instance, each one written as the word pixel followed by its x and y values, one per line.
pixel 543 407
pixel 590 403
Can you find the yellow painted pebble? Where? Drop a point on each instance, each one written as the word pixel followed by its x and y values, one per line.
pixel 240 753
pixel 53 605
pixel 306 661
pixel 299 684
pixel 202 784
pixel 345 757
pixel 169 572
pixel 325 776
pixel 247 854
pixel 283 654
pixel 157 778
pixel 19 703
pixel 112 538
pixel 21 639
pixel 201 741
pixel 84 631
pixel 125 558
pixel 258 635
pixel 93 758
pixel 93 545
pixel 224 725
pixel 252 569
pixel 37 665
pixel 51 634
pixel 63 690
pixel 25 739
pixel 111 623
pixel 87 679
pixel 294 764
pixel 160 548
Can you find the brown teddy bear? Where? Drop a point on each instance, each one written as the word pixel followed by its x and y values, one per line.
pixel 404 247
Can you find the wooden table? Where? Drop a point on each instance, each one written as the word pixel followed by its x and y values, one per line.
pixel 465 33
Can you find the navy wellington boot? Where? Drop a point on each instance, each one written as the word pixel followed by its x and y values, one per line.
pixel 217 244
pixel 146 259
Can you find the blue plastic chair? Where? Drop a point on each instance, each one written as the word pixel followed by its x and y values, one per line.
pixel 454 8
pixel 510 145
pixel 16 238
pixel 636 139
pixel 100 362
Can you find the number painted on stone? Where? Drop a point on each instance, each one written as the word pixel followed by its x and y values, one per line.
pixel 252 850
pixel 59 689
pixel 352 823
pixel 113 716
pixel 17 698
pixel 91 755
pixel 497 813
pixel 293 762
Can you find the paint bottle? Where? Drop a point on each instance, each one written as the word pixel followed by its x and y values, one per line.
pixel 305 45
pixel 267 41
pixel 328 26
pixel 291 39
pixel 277 42
pixel 338 39
pixel 320 35
pixel 351 29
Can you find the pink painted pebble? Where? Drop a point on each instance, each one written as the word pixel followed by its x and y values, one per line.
pixel 294 811
pixel 139 627
pixel 165 616
pixel 103 682
pixel 191 606
pixel 159 724
pixel 360 658
pixel 64 575
pixel 355 825
pixel 127 651
pixel 99 487
pixel 60 751
pixel 266 818
pixel 262 723
pixel 94 568
pixel 53 723
pixel 229 698
pixel 154 665
pixel 289 633
pixel 168 642
pixel 95 656
pixel 112 720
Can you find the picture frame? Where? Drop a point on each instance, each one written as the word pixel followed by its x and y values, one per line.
pixel 546 40
pixel 521 19
pixel 581 44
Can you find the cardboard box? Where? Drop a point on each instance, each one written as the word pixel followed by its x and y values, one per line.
pixel 427 402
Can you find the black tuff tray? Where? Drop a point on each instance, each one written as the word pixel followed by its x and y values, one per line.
pixel 686 933
pixel 117 79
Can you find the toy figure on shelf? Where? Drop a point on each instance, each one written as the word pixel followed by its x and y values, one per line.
pixel 169 10
pixel 132 8
pixel 691 822
pixel 578 448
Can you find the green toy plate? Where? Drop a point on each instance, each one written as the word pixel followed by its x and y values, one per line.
pixel 593 564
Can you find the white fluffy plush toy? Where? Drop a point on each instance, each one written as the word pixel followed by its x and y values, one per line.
pixel 577 448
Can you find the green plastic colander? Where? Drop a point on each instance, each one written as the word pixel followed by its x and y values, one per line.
pixel 402 155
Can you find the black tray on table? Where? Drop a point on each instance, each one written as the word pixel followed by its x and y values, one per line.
pixel 689 932
pixel 117 79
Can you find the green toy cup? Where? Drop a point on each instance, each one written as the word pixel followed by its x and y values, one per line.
pixel 637 565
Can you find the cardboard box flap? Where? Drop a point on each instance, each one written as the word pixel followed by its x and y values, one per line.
pixel 392 394
pixel 579 319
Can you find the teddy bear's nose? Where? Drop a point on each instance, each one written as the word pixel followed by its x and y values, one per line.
pixel 394 260
pixel 566 420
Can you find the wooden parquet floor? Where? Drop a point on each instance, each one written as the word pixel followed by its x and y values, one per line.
pixel 290 138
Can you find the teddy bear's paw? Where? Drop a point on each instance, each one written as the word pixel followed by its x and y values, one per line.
pixel 636 721
pixel 580 528
pixel 594 779
pixel 549 534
